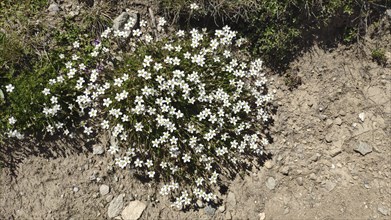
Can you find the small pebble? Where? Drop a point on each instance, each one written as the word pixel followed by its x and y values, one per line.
pixel 383 210
pixel 268 164
pixel 361 116
pixel 221 209
pixel 338 121
pixel 271 183
pixel 104 190
pixel 209 210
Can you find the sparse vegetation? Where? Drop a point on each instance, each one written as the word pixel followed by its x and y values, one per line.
pixel 279 30
pixel 379 56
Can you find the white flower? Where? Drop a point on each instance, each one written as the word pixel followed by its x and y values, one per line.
pixel 107 102
pixel 138 163
pixel 87 130
pixel 137 33
pixel 122 163
pixel 161 22
pixel 46 91
pixel 9 88
pixel 115 112
pixel 139 126
pixel 151 174
pixel 105 124
pixel 93 113
pixel 194 6
pixel 113 149
pixel 149 163
pixel 199 181
pixel 76 44
pixel 12 120
pixel 180 33
pixel 186 158
pixel 61 56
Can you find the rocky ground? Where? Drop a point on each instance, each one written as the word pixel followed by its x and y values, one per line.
pixel 330 158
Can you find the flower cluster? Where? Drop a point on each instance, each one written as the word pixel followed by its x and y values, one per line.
pixel 180 108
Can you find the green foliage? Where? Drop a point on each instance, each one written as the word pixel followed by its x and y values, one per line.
pixel 279 29
pixel 379 55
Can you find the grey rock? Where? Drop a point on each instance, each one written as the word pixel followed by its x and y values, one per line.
pixel 285 170
pixel 199 203
pixel 329 122
pixel 116 206
pixel 335 151
pixel 315 157
pixel 53 8
pixel 268 164
pixel 313 176
pixel 209 210
pixel 299 181
pixel 329 138
pixel 383 209
pixel 109 198
pixel 362 116
pixel 104 190
pixel 97 149
pixel 231 200
pixel 221 209
pixel 363 148
pixel 329 186
pixel 388 13
pixel 120 21
pixel 133 211
pixel 338 121
pixel 271 183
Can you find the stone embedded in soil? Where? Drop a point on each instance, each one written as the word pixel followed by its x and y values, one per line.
pixel 285 170
pixel 109 198
pixel 231 200
pixel 116 206
pixel 268 164
pixel 362 116
pixel 97 149
pixel 315 157
pixel 209 210
pixel 120 21
pixel 335 151
pixel 388 13
pixel 363 148
pixel 221 208
pixel 104 190
pixel 271 183
pixel 200 203
pixel 338 121
pixel 299 181
pixel 75 189
pixel 262 216
pixel 133 211
pixel 228 216
pixel 53 8
pixel 328 138
pixel 383 209
pixel 329 186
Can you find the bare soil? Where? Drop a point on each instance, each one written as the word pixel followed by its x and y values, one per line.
pixel 314 171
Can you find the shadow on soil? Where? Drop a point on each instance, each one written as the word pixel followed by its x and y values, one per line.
pixel 13 152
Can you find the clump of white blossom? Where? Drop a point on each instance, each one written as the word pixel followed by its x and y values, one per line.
pixel 182 107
